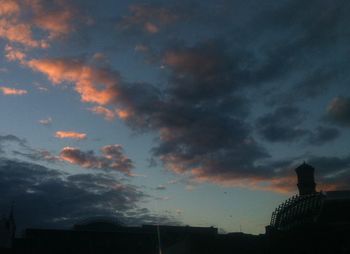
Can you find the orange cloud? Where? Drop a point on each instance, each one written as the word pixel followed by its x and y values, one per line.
pixel 12 91
pixel 93 84
pixel 8 7
pixel 123 114
pixel 70 134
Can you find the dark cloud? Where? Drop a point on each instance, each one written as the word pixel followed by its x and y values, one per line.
pixel 10 139
pixel 112 158
pixel 200 113
pixel 199 117
pixel 285 124
pixel 25 150
pixel 338 111
pixel 298 43
pixel 38 155
pixel 45 197
pixel 333 172
pixel 282 125
pixel 311 85
pixel 323 135
pixel 148 18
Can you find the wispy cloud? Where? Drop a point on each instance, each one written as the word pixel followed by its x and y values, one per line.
pixel 46 121
pixel 105 112
pixel 12 91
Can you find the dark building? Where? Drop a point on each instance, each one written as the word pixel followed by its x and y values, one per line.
pixel 311 222
pixel 7 232
pixel 110 237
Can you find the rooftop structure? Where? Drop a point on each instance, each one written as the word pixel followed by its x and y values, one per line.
pixel 311 207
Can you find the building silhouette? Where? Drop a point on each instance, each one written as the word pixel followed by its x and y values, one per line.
pixel 306 180
pixel 311 222
pixel 7 232
pixel 98 237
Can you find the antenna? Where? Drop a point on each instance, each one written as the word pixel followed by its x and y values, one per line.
pixel 158 229
pixel 159 242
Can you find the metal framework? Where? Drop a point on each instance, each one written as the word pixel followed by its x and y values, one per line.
pixel 297 210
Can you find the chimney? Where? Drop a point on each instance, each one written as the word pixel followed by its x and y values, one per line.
pixel 306 182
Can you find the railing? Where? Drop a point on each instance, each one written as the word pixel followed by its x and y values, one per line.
pixel 296 210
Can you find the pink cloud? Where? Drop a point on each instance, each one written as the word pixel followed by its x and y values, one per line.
pixel 19 18
pixel 13 54
pixel 12 91
pixel 70 134
pixel 14 31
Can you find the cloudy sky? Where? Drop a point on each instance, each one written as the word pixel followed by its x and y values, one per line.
pixel 180 112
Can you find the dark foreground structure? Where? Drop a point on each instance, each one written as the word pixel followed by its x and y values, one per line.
pixel 309 223
pixel 104 237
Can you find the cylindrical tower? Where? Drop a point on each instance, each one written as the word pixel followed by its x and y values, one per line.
pixel 306 182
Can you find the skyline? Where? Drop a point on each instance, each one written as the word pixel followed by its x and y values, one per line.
pixel 149 111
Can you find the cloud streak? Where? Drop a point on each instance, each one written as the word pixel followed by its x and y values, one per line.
pixel 70 134
pixel 47 121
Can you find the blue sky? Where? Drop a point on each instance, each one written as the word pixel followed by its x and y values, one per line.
pixel 191 112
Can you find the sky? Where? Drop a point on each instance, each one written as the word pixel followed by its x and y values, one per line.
pixel 171 112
